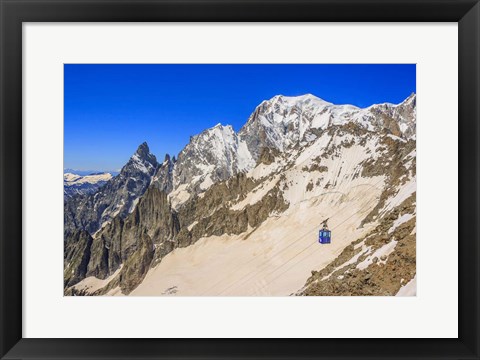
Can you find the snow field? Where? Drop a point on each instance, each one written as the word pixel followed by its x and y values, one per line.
pixel 275 259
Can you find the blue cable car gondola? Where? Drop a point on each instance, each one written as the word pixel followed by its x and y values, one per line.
pixel 324 235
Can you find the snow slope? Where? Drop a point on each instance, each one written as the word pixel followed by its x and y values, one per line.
pixel 274 259
pixel 316 159
pixel 409 289
pixel 277 257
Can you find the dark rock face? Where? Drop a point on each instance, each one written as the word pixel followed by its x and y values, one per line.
pixel 140 225
pixel 212 216
pixel 163 180
pixel 116 198
pixel 76 257
pixel 137 264
pixel 124 241
pixel 154 229
pixel 84 215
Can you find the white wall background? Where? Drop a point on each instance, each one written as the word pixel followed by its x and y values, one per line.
pixel 432 313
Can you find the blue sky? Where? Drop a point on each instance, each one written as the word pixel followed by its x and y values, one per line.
pixel 110 109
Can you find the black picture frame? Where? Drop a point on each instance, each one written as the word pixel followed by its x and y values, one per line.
pixel 14 12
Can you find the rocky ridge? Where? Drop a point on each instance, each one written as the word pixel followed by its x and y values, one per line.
pixel 209 189
pixel 117 197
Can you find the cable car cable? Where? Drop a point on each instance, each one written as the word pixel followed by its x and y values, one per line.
pixel 338 164
pixel 294 242
pixel 313 252
pixel 302 236
pixel 336 226
pixel 283 249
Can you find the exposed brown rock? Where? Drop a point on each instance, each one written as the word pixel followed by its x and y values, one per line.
pixel 382 277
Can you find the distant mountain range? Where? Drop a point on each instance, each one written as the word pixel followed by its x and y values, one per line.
pixel 88 172
pixel 263 191
pixel 74 184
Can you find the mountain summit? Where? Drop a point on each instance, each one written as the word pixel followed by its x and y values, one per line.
pixel 117 197
pixel 143 151
pixel 296 161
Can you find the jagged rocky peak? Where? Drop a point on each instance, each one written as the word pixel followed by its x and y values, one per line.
pixel 408 112
pixel 399 119
pixel 408 108
pixel 280 122
pixel 284 121
pixel 213 155
pixel 219 136
pixel 150 209
pixel 163 179
pixel 219 131
pixel 118 197
pixel 143 150
pixel 410 101
pixel 142 160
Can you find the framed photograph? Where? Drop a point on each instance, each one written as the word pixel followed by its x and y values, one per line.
pixel 239 179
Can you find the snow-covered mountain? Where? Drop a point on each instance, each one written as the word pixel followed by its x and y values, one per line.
pixel 89 172
pixel 74 184
pixel 278 124
pixel 239 213
pixel 284 122
pixel 212 156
